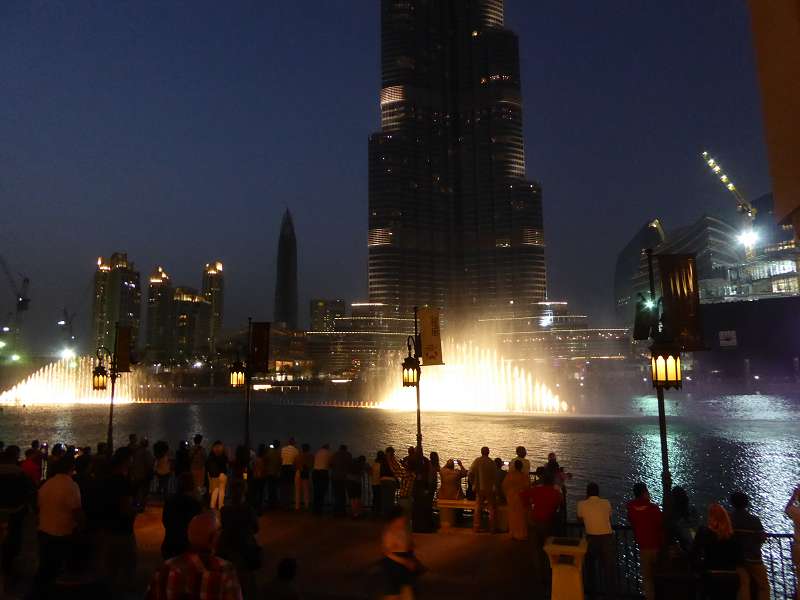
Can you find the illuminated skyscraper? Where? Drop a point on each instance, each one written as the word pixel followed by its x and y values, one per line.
pixel 286 279
pixel 453 221
pixel 117 299
pixel 160 317
pixel 192 324
pixel 214 292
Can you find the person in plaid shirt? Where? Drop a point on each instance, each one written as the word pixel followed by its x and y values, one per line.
pixel 197 574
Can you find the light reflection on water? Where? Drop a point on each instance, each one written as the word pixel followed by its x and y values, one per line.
pixel 716 443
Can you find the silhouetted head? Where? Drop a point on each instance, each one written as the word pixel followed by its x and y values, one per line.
pixel 121 460
pixel 740 501
pixel 498 462
pixel 485 451
pixel 11 455
pixel 640 491
pixel 719 521
pixel 380 456
pixel 521 451
pixel 198 439
pixel 306 447
pixel 203 532
pixel 592 489
pixel 435 459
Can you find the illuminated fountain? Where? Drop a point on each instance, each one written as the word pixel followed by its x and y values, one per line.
pixel 474 379
pixel 69 381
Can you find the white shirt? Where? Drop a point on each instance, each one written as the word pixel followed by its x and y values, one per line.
pixel 596 515
pixel 322 459
pixel 288 454
pixel 59 498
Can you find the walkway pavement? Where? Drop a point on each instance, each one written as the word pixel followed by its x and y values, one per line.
pixel 337 558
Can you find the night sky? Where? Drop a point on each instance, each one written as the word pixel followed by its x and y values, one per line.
pixel 180 131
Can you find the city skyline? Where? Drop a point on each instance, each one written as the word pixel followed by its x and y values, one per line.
pixel 184 151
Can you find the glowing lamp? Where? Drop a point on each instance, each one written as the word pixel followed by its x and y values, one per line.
pixel 748 238
pixel 99 378
pixel 665 366
pixel 411 371
pixel 237 374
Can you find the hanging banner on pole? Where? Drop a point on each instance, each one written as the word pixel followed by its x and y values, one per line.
pixel 430 334
pixel 259 347
pixel 680 301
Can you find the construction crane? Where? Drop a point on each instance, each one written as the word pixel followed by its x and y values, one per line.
pixel 20 289
pixel 748 237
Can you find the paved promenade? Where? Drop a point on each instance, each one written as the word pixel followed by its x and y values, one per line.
pixel 337 558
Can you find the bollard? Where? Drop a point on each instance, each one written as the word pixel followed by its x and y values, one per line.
pixel 566 562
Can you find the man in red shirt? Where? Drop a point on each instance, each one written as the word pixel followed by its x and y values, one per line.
pixel 197 573
pixel 646 519
pixel 543 500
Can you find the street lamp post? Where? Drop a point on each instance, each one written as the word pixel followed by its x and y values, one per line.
pixel 411 375
pixel 100 377
pixel 665 366
pixel 240 377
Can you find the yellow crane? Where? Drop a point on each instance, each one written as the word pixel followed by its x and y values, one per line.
pixel 748 237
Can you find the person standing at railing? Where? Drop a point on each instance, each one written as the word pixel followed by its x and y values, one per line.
pixel 391 472
pixel 198 464
pixel 303 464
pixel 483 474
pixel 543 501
pixel 647 521
pixel 320 477
pixel 341 463
pixel 793 512
pixel 717 555
pixel 515 482
pixel 217 468
pixel 289 453
pixel 595 513
pixel 375 481
pixel 749 533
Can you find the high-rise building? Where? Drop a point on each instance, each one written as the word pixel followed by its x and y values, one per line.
pixel 117 299
pixel 453 221
pixel 286 278
pixel 160 317
pixel 323 313
pixel 214 292
pixel 192 323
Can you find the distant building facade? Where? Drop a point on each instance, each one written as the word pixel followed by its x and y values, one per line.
pixel 117 299
pixel 286 276
pixel 214 293
pixel 359 341
pixel 192 324
pixel 453 220
pixel 160 326
pixel 323 313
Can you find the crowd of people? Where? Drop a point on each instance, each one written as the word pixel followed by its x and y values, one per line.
pixel 87 502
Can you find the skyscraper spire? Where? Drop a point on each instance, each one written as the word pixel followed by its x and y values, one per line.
pixel 286 277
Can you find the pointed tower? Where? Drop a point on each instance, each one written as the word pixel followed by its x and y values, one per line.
pixel 286 279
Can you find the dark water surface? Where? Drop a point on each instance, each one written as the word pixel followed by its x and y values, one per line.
pixel 716 443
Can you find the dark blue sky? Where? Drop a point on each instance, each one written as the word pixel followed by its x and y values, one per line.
pixel 179 131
